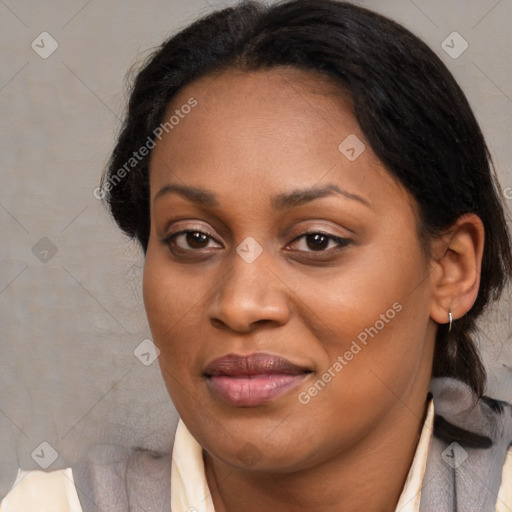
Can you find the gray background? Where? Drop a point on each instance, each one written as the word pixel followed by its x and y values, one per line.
pixel 70 321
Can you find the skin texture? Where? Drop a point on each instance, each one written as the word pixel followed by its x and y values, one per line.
pixel 254 135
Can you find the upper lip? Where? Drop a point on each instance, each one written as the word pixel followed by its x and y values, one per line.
pixel 234 365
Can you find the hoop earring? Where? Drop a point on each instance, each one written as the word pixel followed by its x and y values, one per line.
pixel 451 321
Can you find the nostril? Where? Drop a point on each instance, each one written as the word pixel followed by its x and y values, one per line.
pixel 217 323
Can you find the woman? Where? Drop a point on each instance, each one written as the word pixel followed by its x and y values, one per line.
pixel 321 228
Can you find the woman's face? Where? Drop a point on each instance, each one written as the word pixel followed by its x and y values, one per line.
pixel 284 282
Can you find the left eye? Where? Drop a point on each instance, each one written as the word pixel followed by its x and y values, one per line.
pixel 318 242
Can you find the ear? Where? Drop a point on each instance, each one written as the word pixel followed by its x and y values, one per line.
pixel 457 263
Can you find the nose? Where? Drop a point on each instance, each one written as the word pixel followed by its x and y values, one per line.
pixel 250 294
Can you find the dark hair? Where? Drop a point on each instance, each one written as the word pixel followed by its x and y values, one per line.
pixel 410 108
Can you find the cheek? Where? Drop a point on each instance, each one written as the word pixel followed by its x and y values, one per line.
pixel 156 293
pixel 374 347
pixel 374 312
pixel 169 312
pixel 362 292
pixel 172 319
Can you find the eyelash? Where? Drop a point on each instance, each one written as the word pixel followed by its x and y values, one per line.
pixel 342 242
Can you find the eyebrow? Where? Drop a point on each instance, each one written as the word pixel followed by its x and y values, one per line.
pixel 281 201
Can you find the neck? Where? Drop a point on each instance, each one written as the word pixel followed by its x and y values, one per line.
pixel 368 476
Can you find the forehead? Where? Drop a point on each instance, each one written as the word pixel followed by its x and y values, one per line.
pixel 271 96
pixel 267 129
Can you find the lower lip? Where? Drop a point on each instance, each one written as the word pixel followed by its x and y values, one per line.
pixel 253 391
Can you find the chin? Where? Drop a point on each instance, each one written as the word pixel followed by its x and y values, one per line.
pixel 247 445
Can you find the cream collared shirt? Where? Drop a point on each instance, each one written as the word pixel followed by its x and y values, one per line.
pixel 54 491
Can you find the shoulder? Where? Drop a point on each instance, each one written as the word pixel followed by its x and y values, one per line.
pixel 109 478
pixel 461 416
pixel 469 461
pixel 42 490
pixel 119 479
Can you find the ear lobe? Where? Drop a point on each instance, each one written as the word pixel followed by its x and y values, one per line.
pixel 456 268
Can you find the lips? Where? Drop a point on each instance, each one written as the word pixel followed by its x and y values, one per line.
pixel 252 380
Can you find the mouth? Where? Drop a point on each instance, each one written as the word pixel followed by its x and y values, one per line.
pixel 252 380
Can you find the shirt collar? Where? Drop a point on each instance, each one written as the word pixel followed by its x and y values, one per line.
pixel 409 500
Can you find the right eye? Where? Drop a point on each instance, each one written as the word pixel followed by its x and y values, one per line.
pixel 188 240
